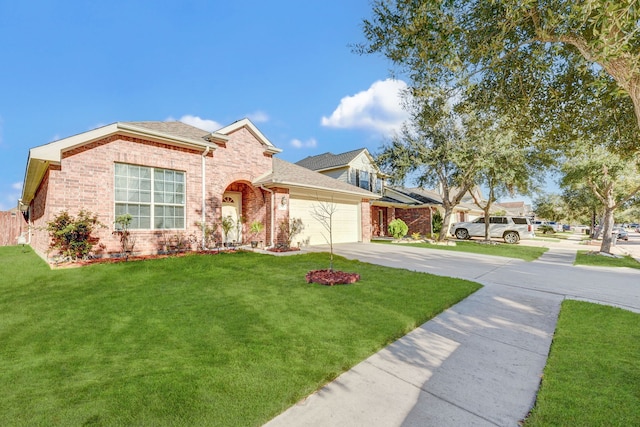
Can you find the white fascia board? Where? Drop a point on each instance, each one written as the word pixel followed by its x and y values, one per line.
pixel 52 151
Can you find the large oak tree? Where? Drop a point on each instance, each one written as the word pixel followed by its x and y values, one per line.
pixel 517 48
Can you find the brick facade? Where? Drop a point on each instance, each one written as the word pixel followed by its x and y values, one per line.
pixel 418 220
pixel 85 180
pixel 365 220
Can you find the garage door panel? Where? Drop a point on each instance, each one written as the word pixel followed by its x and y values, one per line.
pixel 345 222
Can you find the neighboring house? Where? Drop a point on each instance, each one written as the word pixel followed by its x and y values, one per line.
pixel 176 179
pixel 358 168
pixel 415 206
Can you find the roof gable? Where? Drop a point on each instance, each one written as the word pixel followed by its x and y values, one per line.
pixel 247 124
pixel 326 161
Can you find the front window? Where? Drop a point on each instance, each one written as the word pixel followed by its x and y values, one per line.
pixel 364 180
pixel 155 198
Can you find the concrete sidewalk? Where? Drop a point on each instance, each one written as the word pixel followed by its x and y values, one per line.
pixel 478 363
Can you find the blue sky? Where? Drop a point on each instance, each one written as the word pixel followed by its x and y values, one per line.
pixel 71 66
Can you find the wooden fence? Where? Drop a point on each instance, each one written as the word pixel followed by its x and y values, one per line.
pixel 12 225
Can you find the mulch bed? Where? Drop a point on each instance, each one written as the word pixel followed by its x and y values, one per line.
pixel 115 260
pixel 282 249
pixel 331 277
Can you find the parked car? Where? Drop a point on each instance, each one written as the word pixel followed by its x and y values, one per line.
pixel 509 228
pixel 620 233
pixel 537 223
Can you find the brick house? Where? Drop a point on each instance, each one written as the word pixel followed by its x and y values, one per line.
pixel 176 181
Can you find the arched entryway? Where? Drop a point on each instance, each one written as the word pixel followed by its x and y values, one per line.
pixel 243 204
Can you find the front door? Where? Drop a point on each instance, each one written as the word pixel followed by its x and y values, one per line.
pixel 231 209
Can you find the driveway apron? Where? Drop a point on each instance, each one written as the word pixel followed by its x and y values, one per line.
pixel 480 362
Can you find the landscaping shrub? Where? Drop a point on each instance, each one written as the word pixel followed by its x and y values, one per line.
pixel 436 223
pixel 546 229
pixel 398 228
pixel 72 236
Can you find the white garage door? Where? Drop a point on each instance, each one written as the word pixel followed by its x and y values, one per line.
pixel 345 220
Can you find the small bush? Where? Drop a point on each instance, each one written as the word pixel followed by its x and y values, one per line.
pixel 398 228
pixel 546 229
pixel 72 236
pixel 415 236
pixel 436 223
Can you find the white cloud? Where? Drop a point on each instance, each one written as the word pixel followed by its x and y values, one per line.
pixel 258 117
pixel 309 143
pixel 200 123
pixel 17 186
pixel 378 108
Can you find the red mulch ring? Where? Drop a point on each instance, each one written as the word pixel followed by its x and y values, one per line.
pixel 331 277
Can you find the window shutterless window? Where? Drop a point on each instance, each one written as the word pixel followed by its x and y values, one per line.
pixel 364 180
pixel 155 198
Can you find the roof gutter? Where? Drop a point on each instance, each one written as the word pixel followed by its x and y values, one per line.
pixel 204 195
pixel 367 195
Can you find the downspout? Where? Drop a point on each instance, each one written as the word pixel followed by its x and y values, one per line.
pixel 273 214
pixel 204 195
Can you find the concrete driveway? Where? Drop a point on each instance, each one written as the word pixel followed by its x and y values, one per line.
pixel 478 363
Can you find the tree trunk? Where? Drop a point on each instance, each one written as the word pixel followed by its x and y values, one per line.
pixel 487 223
pixel 446 222
pixel 607 223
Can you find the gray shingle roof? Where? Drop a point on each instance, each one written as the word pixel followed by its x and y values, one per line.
pixel 173 128
pixel 422 195
pixel 286 173
pixel 329 160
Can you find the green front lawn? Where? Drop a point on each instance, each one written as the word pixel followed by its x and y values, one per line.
pixel 527 253
pixel 230 339
pixel 592 376
pixel 595 259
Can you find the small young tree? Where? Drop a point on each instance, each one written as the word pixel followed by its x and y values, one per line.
pixel 323 212
pixel 122 229
pixel 398 228
pixel 72 236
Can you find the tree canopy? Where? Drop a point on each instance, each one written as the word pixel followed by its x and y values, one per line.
pixel 522 55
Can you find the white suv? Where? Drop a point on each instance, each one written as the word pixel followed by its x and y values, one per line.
pixel 509 228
